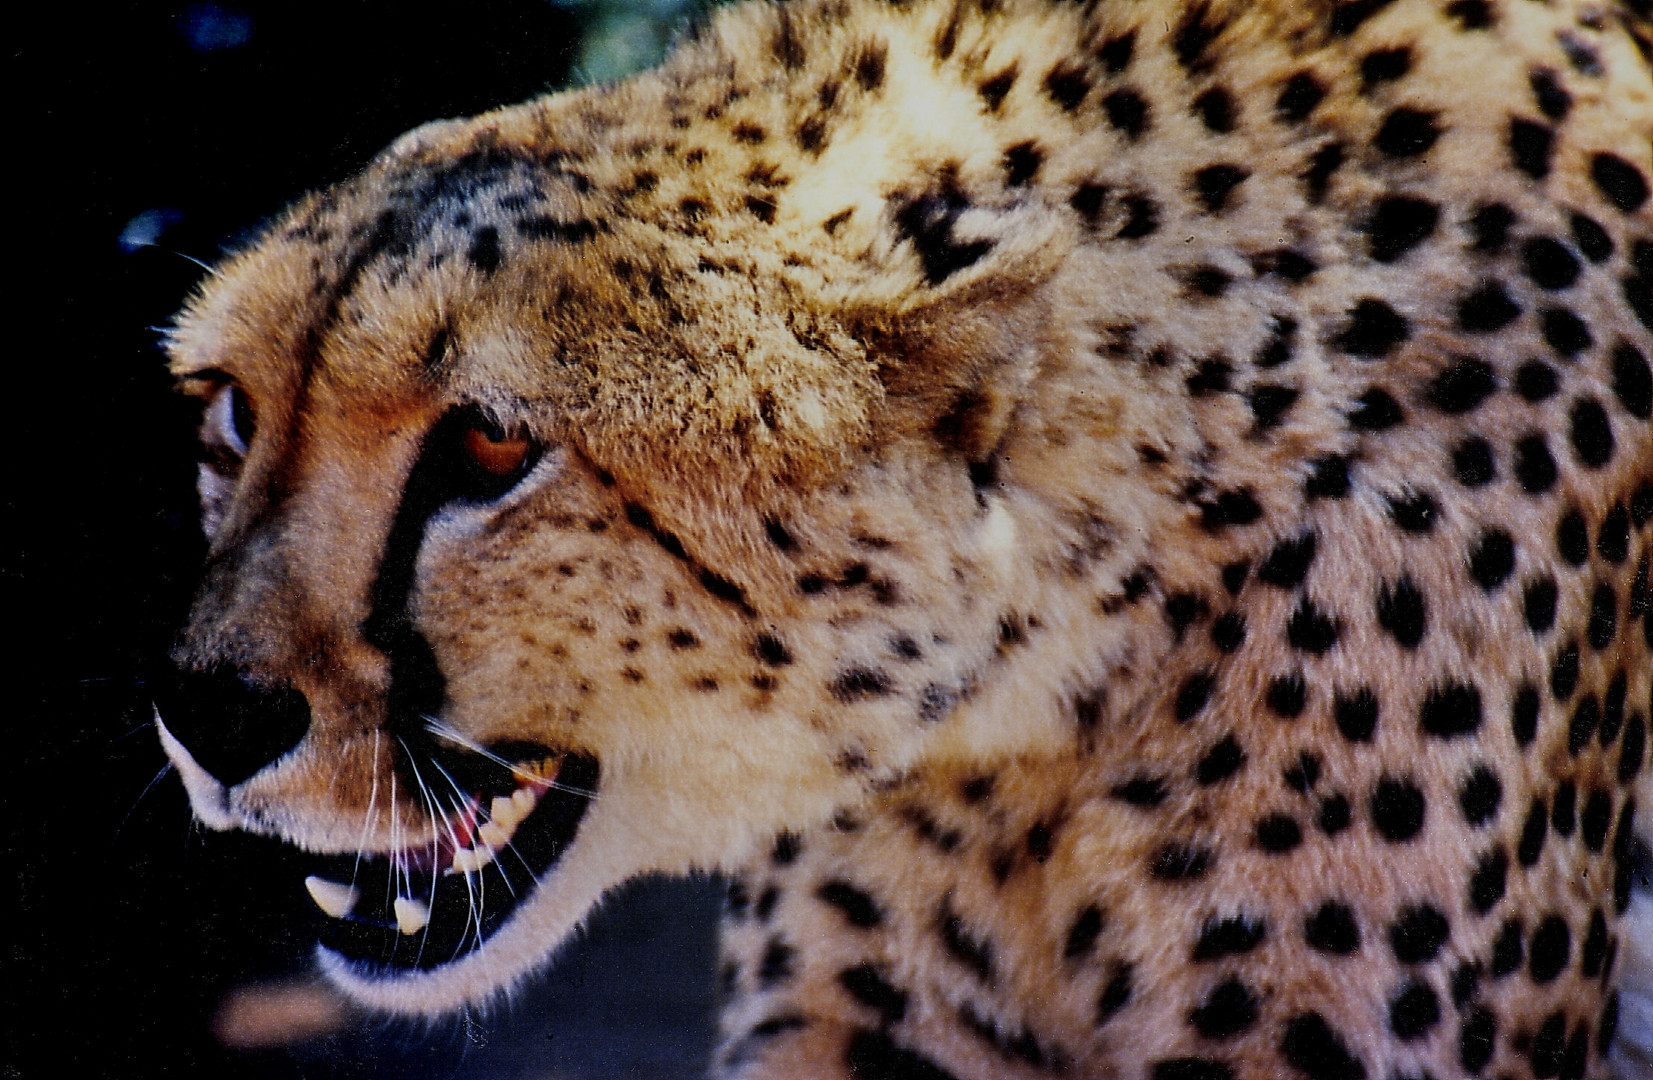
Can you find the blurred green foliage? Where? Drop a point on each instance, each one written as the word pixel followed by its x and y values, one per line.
pixel 623 36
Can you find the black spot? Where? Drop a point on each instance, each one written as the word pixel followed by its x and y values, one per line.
pixel 1181 862
pixel 1609 1024
pixel 1533 831
pixel 1288 562
pixel 1552 98
pixel 1115 53
pixel 1328 477
pixel 1331 928
pixel 1232 936
pixel 1195 34
pixel 1127 111
pixel 928 222
pixel 1594 819
pixel 1215 183
pixel 1067 86
pixel 1564 672
pixel 1591 433
pixel 776 965
pixel 1407 132
pixel 1449 710
pixel 1377 410
pixel 859 683
pixel 1021 163
pixel 1237 507
pixel 1613 541
pixel 1140 791
pixel 762 207
pixel 1216 109
pixel 787 847
pixel 1603 617
pixel 858 907
pixel 1222 761
pixel 1472 462
pixel 1486 882
pixel 1287 694
pixel 1298 98
pixel 1486 309
pixel 1418 933
pixel 1400 224
pixel 1116 994
pixel 1398 809
pixel 873 1055
pixel 1195 692
pixel 1087 201
pixel 1551 945
pixel 1356 714
pixel 1313 1048
pixel 1582 726
pixel 974 954
pixel 869 66
pixel 1535 381
pixel 1489 226
pixel 1414 512
pixel 771 650
pixel 1524 715
pixel 1548 263
pixel 484 252
pixel 1335 814
pixel 1082 935
pixel 1479 795
pixel 1322 165
pixel 1466 982
pixel 1535 468
pixel 1208 280
pixel 1632 749
pixel 1572 538
pixel 1612 710
pixel 1181 609
pixel 1375 330
pixel 866 985
pixel 1401 610
pixel 1141 217
pixel 1234 575
pixel 993 90
pixel 1492 559
pixel 1531 146
pixel 1564 332
pixel 1278 834
pixel 1347 17
pixel 1591 238
pixel 1227 1010
pixel 1310 629
pixel 1304 774
pixel 1594 953
pixel 1471 15
pixel 1507 949
pixel 1228 631
pixel 1621 182
pixel 1280 346
pixel 1291 265
pixel 1384 65
pixel 1414 1010
pixel 1463 386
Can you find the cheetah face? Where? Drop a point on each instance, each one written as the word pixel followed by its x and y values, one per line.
pixel 551 546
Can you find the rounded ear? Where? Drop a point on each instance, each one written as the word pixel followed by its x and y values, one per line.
pixel 954 312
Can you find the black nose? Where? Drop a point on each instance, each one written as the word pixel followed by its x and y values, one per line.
pixel 230 725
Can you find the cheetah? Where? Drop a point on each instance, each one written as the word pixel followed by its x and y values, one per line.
pixel 1121 528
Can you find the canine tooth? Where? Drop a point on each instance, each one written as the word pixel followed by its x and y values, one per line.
pixel 465 860
pixel 335 899
pixel 492 834
pixel 523 799
pixel 411 914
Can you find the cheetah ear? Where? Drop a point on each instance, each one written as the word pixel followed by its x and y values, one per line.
pixel 953 310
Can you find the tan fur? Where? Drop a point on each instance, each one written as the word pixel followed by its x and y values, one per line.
pixel 879 278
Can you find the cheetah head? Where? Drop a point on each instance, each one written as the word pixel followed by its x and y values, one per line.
pixel 572 519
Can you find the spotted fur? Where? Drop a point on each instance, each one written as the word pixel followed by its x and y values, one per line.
pixel 1124 528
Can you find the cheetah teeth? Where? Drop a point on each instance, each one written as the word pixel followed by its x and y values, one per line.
pixel 333 898
pixel 505 813
pixel 411 915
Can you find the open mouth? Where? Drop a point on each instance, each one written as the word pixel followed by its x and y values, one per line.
pixel 511 814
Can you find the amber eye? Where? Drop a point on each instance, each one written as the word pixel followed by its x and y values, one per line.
pixel 493 451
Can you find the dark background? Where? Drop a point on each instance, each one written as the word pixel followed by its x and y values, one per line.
pixel 141 134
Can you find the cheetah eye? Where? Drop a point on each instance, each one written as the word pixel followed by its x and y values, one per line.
pixel 491 460
pixel 229 422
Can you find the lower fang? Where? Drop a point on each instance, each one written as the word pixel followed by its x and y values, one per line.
pixel 333 898
pixel 411 915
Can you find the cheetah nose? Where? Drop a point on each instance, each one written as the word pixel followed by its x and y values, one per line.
pixel 231 726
